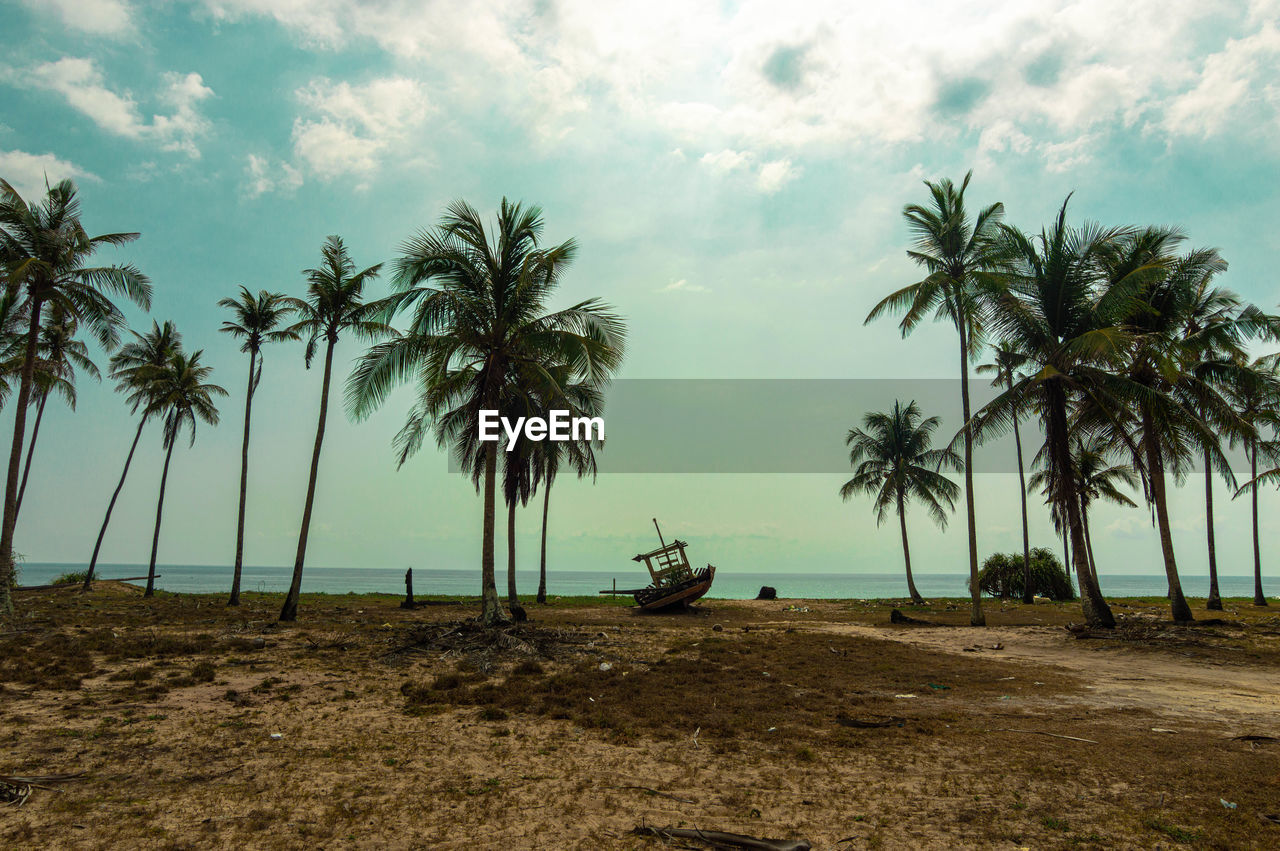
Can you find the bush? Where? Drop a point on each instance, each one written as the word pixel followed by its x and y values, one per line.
pixel 1002 576
pixel 74 578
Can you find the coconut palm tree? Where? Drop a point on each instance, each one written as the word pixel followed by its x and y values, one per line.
pixel 256 321
pixel 479 327
pixel 894 461
pixel 1256 399
pixel 59 354
pixel 953 249
pixel 1054 306
pixel 579 456
pixel 134 369
pixel 1004 365
pixel 334 306
pixel 46 253
pixel 179 394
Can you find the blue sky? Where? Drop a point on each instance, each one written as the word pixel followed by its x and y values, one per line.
pixel 733 172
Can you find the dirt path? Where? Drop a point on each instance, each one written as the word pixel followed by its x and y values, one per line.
pixel 1178 684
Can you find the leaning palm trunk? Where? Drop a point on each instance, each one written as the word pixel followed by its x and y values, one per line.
pixel 542 563
pixel 906 553
pixel 289 612
pixel 975 616
pixel 31 450
pixel 10 519
pixel 1215 600
pixel 513 599
pixel 1028 596
pixel 106 521
pixel 155 536
pixel 1155 469
pixel 1259 599
pixel 1096 611
pixel 244 485
pixel 1088 542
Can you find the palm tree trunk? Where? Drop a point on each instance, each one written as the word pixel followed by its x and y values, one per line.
pixel 1028 596
pixel 976 617
pixel 542 564
pixel 1259 599
pixel 244 488
pixel 1096 611
pixel 906 554
pixel 1066 549
pixel 1215 600
pixel 513 599
pixel 102 533
pixel 31 450
pixel 491 611
pixel 155 536
pixel 1155 472
pixel 1088 541
pixel 10 519
pixel 289 612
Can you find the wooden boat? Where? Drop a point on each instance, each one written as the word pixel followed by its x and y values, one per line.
pixel 675 583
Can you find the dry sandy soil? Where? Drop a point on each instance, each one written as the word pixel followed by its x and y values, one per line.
pixel 368 726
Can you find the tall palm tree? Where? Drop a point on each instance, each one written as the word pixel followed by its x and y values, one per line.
pixel 1054 305
pixel 255 320
pixel 549 455
pixel 1004 366
pixel 134 369
pixel 334 306
pixel 59 354
pixel 45 253
pixel 1256 398
pixel 180 394
pixel 953 249
pixel 479 330
pixel 894 462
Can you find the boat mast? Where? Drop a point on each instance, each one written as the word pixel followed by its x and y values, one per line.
pixel 659 528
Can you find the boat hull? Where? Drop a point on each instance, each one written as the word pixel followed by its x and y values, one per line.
pixel 654 599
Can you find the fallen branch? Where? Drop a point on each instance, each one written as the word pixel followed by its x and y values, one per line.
pixel 1044 733
pixel 896 616
pixel 720 839
pixel 869 723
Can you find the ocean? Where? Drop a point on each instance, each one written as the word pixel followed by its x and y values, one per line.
pixel 728 584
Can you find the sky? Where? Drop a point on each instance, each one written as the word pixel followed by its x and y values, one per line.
pixel 733 172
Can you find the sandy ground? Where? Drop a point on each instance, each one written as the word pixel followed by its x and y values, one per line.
pixel 368 726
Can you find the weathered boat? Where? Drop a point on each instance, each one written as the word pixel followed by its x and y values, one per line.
pixel 675 583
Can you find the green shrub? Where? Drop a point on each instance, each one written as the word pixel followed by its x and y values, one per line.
pixel 1002 576
pixel 73 578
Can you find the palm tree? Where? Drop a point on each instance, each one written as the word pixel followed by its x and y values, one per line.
pixel 953 249
pixel 1096 479
pixel 1005 364
pixel 580 457
pixel 480 331
pixel 58 356
pixel 45 252
pixel 255 321
pixel 180 395
pixel 1256 399
pixel 134 368
pixel 1055 307
pixel 894 462
pixel 334 305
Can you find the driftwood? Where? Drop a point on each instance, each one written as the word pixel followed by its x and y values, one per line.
pixel 1044 733
pixel 649 791
pixel 869 723
pixel 896 616
pixel 15 788
pixel 720 840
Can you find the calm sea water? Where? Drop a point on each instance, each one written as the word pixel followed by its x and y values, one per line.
pixel 728 585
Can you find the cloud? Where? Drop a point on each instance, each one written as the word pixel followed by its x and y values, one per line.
pixel 84 87
pixel 350 127
pixel 27 172
pixel 682 286
pixel 774 175
pixel 99 17
pixel 769 176
pixel 263 176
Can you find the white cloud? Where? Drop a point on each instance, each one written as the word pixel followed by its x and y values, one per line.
pixel 99 17
pixel 351 126
pixel 85 89
pixel 682 286
pixel 769 176
pixel 826 76
pixel 774 175
pixel 264 176
pixel 27 172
